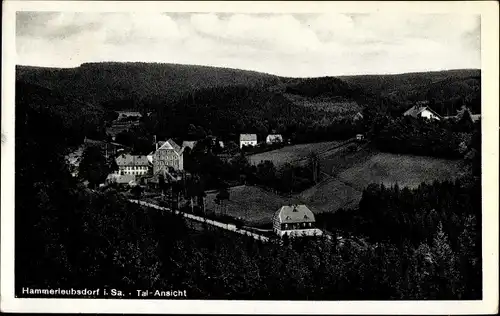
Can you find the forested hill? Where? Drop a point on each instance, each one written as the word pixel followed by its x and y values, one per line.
pixel 125 85
pixel 446 90
pixel 140 86
pixel 76 117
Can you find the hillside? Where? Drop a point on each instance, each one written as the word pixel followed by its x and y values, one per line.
pixel 77 118
pixel 446 90
pixel 125 85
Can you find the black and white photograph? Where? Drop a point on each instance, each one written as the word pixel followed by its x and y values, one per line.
pixel 233 154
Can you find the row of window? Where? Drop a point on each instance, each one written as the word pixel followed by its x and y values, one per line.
pixel 297 226
pixel 135 168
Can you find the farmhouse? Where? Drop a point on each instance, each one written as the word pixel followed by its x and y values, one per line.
pixel 419 110
pixel 132 165
pixel 167 154
pixel 295 220
pixel 274 139
pixel 248 140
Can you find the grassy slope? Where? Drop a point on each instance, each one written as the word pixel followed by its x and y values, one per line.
pixel 291 153
pixel 349 173
pixel 253 204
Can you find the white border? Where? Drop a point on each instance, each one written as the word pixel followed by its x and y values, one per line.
pixel 489 66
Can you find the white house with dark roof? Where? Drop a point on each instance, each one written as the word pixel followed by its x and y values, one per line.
pixel 295 220
pixel 248 140
pixel 418 111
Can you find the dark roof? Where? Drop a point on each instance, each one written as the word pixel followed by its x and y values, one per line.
pixel 131 160
pixel 248 137
pixel 294 214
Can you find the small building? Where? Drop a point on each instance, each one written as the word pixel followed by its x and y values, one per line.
pixel 274 139
pixel 167 154
pixel 295 220
pixel 132 164
pixel 360 137
pixel 420 111
pixel 248 140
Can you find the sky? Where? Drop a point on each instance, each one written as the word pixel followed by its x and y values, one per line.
pixel 292 45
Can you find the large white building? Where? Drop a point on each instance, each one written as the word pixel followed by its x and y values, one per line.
pixel 295 221
pixel 248 140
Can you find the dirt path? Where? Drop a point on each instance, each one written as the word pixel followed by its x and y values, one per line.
pixel 229 227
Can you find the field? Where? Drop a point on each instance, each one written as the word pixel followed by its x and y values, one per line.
pixel 406 171
pixel 291 153
pixel 253 204
pixel 345 176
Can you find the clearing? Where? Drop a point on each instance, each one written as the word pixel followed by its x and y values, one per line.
pixel 346 174
pixel 253 204
pixel 289 154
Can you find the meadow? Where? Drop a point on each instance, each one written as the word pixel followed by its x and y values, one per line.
pixel 349 174
pixel 289 154
pixel 254 205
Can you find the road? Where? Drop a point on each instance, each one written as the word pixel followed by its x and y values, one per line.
pixel 229 227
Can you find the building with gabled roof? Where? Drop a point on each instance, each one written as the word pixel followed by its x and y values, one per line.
pixel 137 165
pixel 248 140
pixel 418 111
pixel 167 154
pixel 295 220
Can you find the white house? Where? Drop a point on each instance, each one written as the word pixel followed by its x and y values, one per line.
pixel 274 139
pixel 295 220
pixel 418 111
pixel 248 140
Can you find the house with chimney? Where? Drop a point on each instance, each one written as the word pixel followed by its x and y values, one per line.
pixel 295 221
pixel 248 140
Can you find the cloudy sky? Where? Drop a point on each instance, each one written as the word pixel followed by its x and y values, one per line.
pixel 300 45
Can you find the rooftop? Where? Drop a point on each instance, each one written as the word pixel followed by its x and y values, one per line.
pixel 294 214
pixel 415 110
pixel 248 137
pixel 169 144
pixel 132 160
